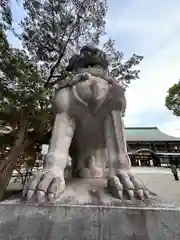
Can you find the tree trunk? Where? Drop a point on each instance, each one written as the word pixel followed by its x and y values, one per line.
pixel 8 164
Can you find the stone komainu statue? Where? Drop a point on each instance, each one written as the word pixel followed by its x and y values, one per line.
pixel 89 108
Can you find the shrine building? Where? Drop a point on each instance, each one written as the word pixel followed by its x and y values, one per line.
pixel 148 146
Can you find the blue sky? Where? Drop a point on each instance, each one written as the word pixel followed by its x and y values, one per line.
pixel 150 28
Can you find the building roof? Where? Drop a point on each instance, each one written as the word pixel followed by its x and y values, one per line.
pixel 133 134
pixel 148 134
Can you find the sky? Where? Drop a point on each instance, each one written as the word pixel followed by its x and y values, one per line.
pixel 149 28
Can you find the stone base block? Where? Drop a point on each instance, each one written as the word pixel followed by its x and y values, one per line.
pixel 20 221
pixel 85 211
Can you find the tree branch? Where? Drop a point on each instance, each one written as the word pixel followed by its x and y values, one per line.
pixel 62 52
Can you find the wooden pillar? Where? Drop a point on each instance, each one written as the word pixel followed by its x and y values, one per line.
pixel 167 147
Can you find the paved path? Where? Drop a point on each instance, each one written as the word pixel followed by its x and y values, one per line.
pixel 151 170
pixel 158 180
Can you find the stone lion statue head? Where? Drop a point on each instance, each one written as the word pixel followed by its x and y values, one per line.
pixel 89 56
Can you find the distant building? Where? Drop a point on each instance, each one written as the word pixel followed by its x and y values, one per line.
pixel 150 146
pixel 3 131
pixel 146 146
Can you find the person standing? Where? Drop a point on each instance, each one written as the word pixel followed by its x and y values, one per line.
pixel 174 172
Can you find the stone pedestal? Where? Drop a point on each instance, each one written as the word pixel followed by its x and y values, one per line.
pixel 89 216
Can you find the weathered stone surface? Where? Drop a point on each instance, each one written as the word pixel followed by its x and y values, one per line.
pixel 89 117
pixel 20 221
pixel 86 211
pixel 139 223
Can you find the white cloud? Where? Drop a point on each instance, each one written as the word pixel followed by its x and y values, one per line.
pixel 154 30
pixel 158 73
pixel 171 128
pixel 148 18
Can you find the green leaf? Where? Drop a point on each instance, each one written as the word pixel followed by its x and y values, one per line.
pixel 7 15
pixel 172 100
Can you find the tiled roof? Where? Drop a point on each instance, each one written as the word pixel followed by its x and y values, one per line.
pixel 134 134
pixel 148 134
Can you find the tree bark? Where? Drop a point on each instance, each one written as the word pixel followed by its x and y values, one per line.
pixel 8 164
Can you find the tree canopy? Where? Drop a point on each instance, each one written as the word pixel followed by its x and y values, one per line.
pixel 24 106
pixel 54 30
pixel 172 100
